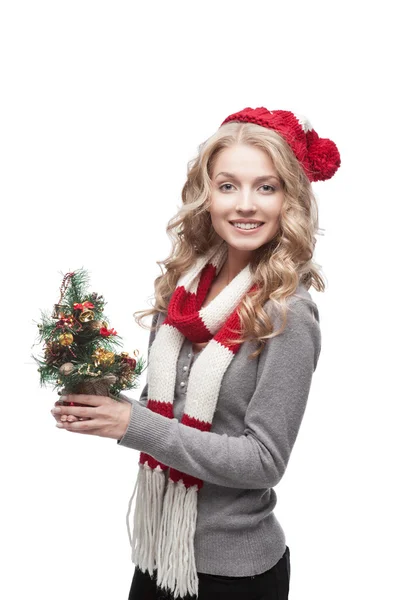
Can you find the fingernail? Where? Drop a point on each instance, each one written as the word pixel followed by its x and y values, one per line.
pixel 57 409
pixel 59 425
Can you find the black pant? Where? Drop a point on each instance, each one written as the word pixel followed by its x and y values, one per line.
pixel 270 585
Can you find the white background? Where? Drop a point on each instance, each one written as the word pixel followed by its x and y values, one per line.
pixel 102 106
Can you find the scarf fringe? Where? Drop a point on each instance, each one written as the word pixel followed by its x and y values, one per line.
pixel 150 486
pixel 164 529
pixel 175 553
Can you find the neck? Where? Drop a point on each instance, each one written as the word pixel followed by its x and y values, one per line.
pixel 234 263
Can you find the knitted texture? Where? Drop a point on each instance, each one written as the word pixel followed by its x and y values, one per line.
pixel 319 157
pixel 166 505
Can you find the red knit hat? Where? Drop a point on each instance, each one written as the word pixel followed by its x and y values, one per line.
pixel 319 157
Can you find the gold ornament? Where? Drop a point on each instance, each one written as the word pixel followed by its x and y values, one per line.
pixel 86 315
pixel 66 368
pixel 125 379
pixel 125 354
pixel 105 324
pixel 109 358
pixel 89 372
pixel 85 369
pixel 65 339
pixel 97 355
pixel 103 357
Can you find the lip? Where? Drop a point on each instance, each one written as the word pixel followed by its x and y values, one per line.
pixel 246 221
pixel 246 231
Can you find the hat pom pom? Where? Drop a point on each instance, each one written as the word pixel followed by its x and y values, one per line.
pixel 323 156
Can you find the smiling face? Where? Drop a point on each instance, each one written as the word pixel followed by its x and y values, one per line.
pixel 245 186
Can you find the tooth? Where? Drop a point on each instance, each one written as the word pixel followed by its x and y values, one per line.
pixel 250 226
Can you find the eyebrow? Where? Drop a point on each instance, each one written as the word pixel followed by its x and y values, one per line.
pixel 256 180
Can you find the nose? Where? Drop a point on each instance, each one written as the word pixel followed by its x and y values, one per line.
pixel 245 202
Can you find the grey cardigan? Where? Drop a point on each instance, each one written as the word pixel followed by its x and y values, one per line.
pixel 260 409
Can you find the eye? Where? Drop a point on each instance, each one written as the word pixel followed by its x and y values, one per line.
pixel 270 188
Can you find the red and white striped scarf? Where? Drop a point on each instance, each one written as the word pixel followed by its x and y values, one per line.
pixel 166 507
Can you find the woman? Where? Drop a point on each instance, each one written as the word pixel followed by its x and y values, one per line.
pixel 233 347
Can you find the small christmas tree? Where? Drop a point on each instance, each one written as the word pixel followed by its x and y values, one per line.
pixel 79 348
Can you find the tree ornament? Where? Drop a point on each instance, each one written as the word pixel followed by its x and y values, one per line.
pixel 67 320
pixel 103 357
pixel 87 369
pixel 109 358
pixel 107 332
pixel 128 360
pixel 66 368
pixel 65 339
pixel 94 325
pixel 86 315
pixel 52 352
pixel 59 310
pixel 83 305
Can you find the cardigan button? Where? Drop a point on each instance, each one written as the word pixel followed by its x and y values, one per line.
pixel 182 383
pixel 189 355
pixel 185 368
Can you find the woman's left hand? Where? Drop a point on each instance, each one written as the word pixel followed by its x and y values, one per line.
pixel 104 416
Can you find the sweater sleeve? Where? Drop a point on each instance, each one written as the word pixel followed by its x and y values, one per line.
pixel 257 459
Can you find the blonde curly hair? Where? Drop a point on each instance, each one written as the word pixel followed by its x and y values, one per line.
pixel 278 266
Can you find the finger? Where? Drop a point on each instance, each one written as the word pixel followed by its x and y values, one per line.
pixel 86 427
pixel 77 411
pixel 63 418
pixel 56 417
pixel 71 418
